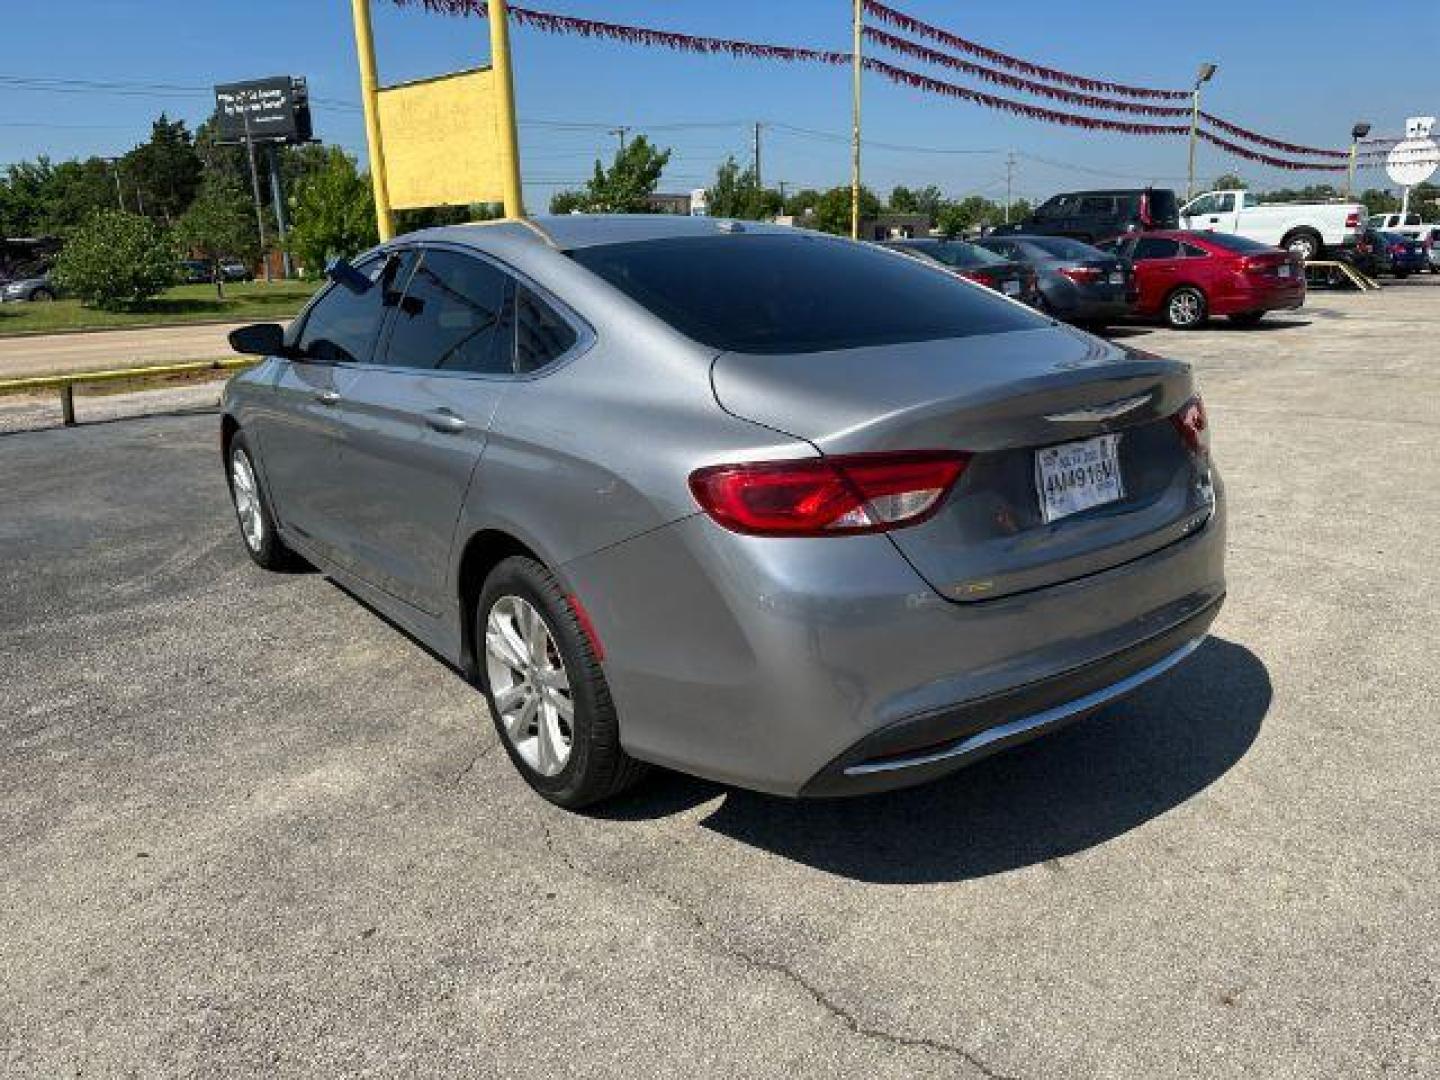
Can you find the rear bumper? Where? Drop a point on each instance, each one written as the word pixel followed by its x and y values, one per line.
pixel 929 746
pixel 1271 299
pixel 778 664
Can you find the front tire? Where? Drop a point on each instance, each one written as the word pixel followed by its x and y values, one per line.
pixel 1185 308
pixel 252 509
pixel 42 295
pixel 545 688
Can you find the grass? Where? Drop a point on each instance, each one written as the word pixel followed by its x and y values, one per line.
pixel 254 301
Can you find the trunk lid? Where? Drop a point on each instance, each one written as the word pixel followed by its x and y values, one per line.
pixel 999 398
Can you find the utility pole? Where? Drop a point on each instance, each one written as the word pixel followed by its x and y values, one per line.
pixel 277 196
pixel 1358 132
pixel 1009 182
pixel 857 66
pixel 620 133
pixel 119 192
pixel 1202 76
pixel 255 191
pixel 758 182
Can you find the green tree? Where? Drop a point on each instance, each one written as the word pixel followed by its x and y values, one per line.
pixel 626 187
pixel 903 200
pixel 832 212
pixel 958 218
pixel 116 260
pixel 803 202
pixel 220 223
pixel 1228 182
pixel 332 213
pixel 736 194
pixel 568 202
pixel 165 172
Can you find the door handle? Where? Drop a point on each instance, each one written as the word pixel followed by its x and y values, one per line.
pixel 445 422
pixel 327 397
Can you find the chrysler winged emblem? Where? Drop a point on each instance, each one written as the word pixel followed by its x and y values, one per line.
pixel 1108 411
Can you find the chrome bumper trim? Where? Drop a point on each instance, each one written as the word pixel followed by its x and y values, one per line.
pixel 1020 725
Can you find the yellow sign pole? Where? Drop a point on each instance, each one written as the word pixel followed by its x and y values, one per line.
pixel 369 96
pixel 855 133
pixel 505 108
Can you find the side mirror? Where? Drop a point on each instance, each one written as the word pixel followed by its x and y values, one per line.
pixel 347 277
pixel 259 339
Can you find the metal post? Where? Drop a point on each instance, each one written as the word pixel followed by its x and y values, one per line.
pixel 67 404
pixel 1009 182
pixel 255 191
pixel 620 133
pixel 1194 127
pixel 505 125
pixel 370 98
pixel 119 192
pixel 758 182
pixel 277 196
pixel 856 66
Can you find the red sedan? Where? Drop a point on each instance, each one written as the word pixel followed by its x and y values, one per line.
pixel 1186 277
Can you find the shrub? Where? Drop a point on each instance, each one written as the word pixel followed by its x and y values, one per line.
pixel 115 260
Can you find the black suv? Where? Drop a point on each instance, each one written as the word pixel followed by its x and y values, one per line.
pixel 1099 215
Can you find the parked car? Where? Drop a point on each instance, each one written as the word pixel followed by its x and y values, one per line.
pixel 1186 277
pixel 1404 224
pixel 1310 229
pixel 196 272
pixel 756 503
pixel 1403 255
pixel 1094 215
pixel 36 288
pixel 1368 255
pixel 1432 248
pixel 1006 276
pixel 234 270
pixel 1078 283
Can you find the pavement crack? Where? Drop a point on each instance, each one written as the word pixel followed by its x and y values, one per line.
pixel 837 1011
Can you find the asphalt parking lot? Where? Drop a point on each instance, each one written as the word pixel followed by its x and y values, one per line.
pixel 250 827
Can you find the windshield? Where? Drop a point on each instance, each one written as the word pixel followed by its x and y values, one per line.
pixel 954 253
pixel 803 293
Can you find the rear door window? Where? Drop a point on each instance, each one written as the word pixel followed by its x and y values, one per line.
pixel 1156 247
pixel 449 317
pixel 1097 206
pixel 797 292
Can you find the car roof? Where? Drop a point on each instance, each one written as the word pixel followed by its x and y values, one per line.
pixel 567 232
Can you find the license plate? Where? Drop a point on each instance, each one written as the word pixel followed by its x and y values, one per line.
pixel 1078 476
pixel 1283 271
pixel 1117 277
pixel 1011 288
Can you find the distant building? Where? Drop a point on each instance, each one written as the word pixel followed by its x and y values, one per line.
pixel 663 203
pixel 890 226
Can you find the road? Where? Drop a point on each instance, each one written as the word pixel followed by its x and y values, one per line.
pixel 252 828
pixel 54 354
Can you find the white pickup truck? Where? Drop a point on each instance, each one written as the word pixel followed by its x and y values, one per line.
pixel 1307 229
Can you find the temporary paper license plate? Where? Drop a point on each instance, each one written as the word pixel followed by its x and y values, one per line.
pixel 1117 277
pixel 1283 271
pixel 1011 288
pixel 1077 476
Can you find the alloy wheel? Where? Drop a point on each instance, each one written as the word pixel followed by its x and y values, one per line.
pixel 529 685
pixel 1185 308
pixel 247 500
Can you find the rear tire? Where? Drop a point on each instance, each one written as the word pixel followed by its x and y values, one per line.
pixel 1308 245
pixel 252 509
pixel 42 296
pixel 1186 308
pixel 545 689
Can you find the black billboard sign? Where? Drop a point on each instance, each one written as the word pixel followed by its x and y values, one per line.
pixel 274 110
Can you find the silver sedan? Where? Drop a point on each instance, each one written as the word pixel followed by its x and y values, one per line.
pixel 749 502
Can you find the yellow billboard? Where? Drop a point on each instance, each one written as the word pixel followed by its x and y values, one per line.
pixel 441 141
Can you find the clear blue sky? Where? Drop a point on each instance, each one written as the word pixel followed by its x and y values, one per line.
pixel 1284 70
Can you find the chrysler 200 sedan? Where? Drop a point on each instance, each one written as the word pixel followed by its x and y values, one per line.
pixel 767 506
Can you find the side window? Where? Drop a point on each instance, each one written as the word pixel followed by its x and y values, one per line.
pixel 1224 203
pixel 1190 251
pixel 1002 247
pixel 1156 247
pixel 449 317
pixel 1206 204
pixel 1097 204
pixel 342 326
pixel 541 335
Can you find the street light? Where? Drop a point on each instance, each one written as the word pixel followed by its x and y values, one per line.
pixel 1204 75
pixel 1358 132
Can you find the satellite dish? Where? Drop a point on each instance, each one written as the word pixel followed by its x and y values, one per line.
pixel 1413 161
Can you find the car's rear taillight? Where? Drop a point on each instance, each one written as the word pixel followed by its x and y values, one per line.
pixel 1082 275
pixel 980 277
pixel 853 493
pixel 1194 428
pixel 1352 220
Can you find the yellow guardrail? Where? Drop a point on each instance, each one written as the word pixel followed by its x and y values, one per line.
pixel 67 382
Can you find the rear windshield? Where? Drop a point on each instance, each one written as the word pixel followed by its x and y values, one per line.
pixel 953 253
pixel 800 293
pixel 1062 248
pixel 1238 244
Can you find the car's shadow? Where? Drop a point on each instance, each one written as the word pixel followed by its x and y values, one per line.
pixel 1054 797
